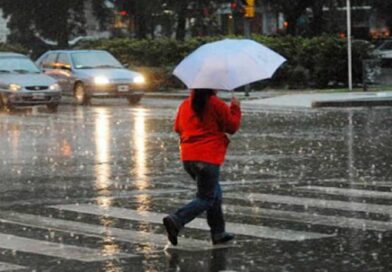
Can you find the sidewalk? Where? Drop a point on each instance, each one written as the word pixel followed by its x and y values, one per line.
pixel 303 99
pixel 317 100
pixel 225 95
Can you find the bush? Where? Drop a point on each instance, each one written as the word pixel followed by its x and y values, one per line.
pixel 311 62
pixel 4 47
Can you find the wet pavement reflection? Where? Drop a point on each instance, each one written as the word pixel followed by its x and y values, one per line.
pixel 304 190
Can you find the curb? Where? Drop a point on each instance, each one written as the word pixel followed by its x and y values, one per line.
pixel 351 103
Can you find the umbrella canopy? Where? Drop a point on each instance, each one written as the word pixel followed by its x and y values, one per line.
pixel 227 64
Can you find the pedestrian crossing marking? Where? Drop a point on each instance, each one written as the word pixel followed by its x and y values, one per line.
pixel 118 234
pixel 372 183
pixel 308 218
pixel 64 251
pixel 120 195
pixel 313 202
pixel 348 192
pixel 10 267
pixel 236 228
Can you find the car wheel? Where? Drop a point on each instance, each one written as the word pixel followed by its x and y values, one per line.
pixel 80 94
pixel 134 99
pixel 52 107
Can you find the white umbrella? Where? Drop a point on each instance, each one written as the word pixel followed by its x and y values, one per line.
pixel 228 64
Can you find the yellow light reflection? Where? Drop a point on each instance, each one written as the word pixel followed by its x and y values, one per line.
pixel 103 184
pixel 143 201
pixel 15 135
pixel 66 149
pixel 139 145
pixel 109 247
pixel 14 138
pixel 102 157
pixel 111 266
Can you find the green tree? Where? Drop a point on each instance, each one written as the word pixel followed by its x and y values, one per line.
pixel 57 20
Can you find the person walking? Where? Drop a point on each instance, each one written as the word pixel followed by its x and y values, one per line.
pixel 202 122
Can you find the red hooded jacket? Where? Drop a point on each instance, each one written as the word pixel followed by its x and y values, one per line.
pixel 206 140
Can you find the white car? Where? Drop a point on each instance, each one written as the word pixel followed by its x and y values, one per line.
pixel 87 74
pixel 23 84
pixel 384 50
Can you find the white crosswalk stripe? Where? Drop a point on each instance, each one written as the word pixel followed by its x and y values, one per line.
pixel 159 241
pixel 314 202
pixel 58 250
pixel 10 267
pixel 308 218
pixel 236 228
pixel 102 231
pixel 347 192
pixel 311 218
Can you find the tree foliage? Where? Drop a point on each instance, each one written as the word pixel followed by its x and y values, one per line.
pixel 172 15
pixel 57 20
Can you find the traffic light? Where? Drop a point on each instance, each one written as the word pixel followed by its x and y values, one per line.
pixel 238 7
pixel 249 9
pixel 245 8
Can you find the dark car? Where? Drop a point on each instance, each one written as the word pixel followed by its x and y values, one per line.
pixel 87 74
pixel 23 84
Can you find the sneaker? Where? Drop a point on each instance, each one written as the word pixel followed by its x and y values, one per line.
pixel 171 229
pixel 222 238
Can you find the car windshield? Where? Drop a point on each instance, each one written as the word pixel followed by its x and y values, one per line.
pixel 386 46
pixel 20 65
pixel 89 60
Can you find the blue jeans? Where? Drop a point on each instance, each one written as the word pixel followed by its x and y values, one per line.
pixel 208 197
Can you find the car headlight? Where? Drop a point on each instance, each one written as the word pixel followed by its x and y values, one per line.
pixel 54 87
pixel 139 79
pixel 101 80
pixel 14 87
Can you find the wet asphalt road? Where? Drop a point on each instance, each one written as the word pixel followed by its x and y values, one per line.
pixel 304 190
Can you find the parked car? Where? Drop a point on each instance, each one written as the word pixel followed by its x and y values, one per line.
pixel 23 84
pixel 384 50
pixel 87 74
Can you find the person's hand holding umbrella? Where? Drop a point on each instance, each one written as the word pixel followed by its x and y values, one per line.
pixel 235 101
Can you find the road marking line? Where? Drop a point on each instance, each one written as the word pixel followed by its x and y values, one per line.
pixel 314 202
pixel 120 195
pixel 347 192
pixel 118 234
pixel 308 218
pixel 82 254
pixel 358 183
pixel 10 267
pixel 236 228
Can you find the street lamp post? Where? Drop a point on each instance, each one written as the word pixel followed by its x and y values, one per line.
pixel 350 75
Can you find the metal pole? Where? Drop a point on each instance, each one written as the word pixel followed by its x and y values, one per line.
pixel 350 75
pixel 350 159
